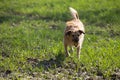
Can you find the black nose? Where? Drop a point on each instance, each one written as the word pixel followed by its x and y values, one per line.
pixel 76 39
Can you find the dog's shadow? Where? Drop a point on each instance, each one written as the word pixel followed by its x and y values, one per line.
pixel 52 63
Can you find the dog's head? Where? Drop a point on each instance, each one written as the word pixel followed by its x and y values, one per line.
pixel 75 36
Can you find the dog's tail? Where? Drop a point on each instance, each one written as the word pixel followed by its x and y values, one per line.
pixel 74 13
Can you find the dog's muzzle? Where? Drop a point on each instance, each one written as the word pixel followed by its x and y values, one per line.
pixel 76 40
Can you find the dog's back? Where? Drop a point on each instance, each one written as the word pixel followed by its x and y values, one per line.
pixel 75 22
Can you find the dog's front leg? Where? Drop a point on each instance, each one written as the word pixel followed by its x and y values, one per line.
pixel 80 46
pixel 78 51
pixel 66 50
pixel 71 49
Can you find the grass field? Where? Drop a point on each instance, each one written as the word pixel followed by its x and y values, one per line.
pixel 31 40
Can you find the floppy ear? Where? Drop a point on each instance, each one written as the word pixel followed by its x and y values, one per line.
pixel 81 32
pixel 68 33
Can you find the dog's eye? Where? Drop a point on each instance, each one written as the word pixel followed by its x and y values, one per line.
pixel 72 35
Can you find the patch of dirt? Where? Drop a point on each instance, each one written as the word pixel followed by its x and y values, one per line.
pixel 57 69
pixel 115 75
pixel 4 55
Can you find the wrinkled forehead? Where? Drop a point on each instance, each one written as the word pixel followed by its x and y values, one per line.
pixel 75 32
pixel 72 25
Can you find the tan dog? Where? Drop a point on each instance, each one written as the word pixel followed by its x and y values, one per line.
pixel 74 33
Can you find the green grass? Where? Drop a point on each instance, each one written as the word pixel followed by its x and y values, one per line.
pixel 31 39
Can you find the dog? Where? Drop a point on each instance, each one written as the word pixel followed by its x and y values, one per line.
pixel 74 33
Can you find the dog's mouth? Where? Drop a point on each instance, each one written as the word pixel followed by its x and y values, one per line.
pixel 75 44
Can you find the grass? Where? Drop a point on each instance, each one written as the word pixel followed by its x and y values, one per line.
pixel 31 40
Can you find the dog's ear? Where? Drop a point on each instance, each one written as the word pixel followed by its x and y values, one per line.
pixel 68 33
pixel 80 32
